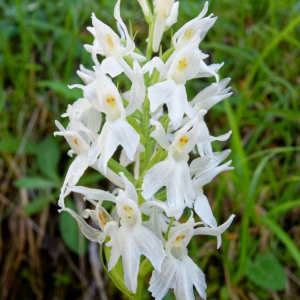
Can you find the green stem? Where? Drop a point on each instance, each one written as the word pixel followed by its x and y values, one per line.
pixel 139 292
pixel 150 41
pixel 169 228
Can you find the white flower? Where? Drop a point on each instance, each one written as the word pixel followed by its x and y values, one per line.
pixel 108 43
pixel 173 17
pixel 185 64
pixel 212 95
pixel 173 172
pixel 199 25
pixel 179 272
pixel 79 138
pixel 116 130
pixel 82 111
pixel 88 231
pixel 205 168
pixel 133 239
pixel 162 9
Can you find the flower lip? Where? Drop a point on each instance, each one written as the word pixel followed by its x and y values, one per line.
pixel 182 142
pixel 182 64
pixel 111 100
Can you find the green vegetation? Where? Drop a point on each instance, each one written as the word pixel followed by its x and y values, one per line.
pixel 40 51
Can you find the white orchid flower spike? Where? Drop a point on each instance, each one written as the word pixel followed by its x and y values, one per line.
pixel 142 124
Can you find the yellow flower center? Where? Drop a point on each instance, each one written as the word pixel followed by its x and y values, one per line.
pixel 110 41
pixel 75 140
pixel 111 100
pixel 182 64
pixel 102 218
pixel 182 142
pixel 188 34
pixel 128 211
pixel 178 240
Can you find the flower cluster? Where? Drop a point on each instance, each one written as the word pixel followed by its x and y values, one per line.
pixel 160 131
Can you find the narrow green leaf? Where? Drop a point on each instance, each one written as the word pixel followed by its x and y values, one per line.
pixel 34 183
pixel 284 207
pixel 48 155
pixel 38 204
pixel 145 267
pixel 283 237
pixel 60 88
pixel 91 178
pixel 117 168
pixel 11 144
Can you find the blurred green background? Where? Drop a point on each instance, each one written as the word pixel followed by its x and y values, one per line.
pixel 41 254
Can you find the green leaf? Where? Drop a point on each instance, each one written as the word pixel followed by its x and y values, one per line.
pixel 145 267
pixel 266 272
pixel 48 155
pixel 60 88
pixel 91 178
pixel 34 183
pixel 282 236
pixel 70 232
pixel 9 143
pixel 38 204
pixel 117 168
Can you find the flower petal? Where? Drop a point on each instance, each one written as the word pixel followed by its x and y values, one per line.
pixel 111 66
pixel 89 232
pixel 93 194
pixel 176 177
pixel 130 191
pixel 208 71
pixel 208 176
pixel 203 210
pixel 160 282
pixel 131 243
pixel 199 25
pixel 214 231
pixel 138 90
pixel 196 275
pixel 159 27
pixel 205 163
pixel 212 95
pixel 173 17
pixel 76 170
pixel 159 134
pixel 130 44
